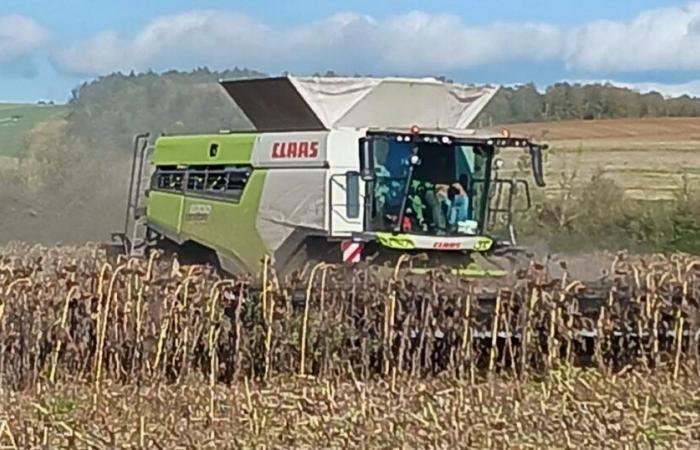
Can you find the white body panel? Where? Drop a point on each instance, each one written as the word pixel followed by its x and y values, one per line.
pixel 292 199
pixel 343 152
pixel 294 195
pixel 454 243
pixel 305 186
pixel 299 149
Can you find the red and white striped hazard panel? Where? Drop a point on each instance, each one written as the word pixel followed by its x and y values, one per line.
pixel 352 251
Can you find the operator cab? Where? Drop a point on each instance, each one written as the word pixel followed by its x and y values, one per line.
pixel 437 189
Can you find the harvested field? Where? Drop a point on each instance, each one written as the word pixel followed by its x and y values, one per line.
pixel 660 129
pixel 647 157
pixel 569 409
pixel 147 353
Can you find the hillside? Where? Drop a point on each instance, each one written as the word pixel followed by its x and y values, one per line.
pixel 17 119
pixel 649 157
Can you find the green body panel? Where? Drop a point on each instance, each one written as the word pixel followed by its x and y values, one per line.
pixel 194 149
pixel 395 241
pixel 484 244
pixel 226 227
pixel 165 210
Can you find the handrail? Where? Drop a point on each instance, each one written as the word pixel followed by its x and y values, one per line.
pixel 139 177
pixel 130 195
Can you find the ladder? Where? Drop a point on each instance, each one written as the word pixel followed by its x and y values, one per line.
pixel 501 196
pixel 132 241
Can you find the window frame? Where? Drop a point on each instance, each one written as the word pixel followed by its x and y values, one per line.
pixel 237 173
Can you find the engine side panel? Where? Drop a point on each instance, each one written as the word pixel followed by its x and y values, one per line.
pixel 228 228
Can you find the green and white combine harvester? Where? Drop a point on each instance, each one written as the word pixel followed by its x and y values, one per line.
pixel 341 170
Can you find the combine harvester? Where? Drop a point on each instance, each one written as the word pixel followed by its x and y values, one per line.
pixel 341 170
pixel 355 172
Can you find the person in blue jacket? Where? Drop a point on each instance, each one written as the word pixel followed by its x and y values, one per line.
pixel 459 208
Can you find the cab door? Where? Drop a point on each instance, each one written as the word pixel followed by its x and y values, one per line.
pixel 346 190
pixel 346 199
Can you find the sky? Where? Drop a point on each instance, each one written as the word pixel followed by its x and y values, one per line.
pixel 49 47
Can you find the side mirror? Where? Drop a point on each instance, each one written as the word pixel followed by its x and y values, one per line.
pixel 366 161
pixel 536 159
pixel 352 195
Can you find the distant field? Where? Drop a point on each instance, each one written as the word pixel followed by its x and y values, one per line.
pixel 647 157
pixel 17 119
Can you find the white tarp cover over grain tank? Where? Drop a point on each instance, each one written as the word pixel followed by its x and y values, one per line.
pixel 317 103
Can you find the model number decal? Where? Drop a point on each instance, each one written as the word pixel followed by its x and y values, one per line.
pixel 482 245
pixel 198 212
pixel 295 149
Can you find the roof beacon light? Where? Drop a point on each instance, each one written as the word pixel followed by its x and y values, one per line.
pixel 415 129
pixel 505 132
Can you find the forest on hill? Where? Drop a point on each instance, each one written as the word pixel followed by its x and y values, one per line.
pixel 564 101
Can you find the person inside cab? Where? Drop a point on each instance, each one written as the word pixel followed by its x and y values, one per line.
pixel 459 204
pixel 453 210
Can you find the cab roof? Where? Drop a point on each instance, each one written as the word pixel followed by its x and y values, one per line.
pixel 468 133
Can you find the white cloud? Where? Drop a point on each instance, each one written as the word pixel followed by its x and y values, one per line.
pixel 660 39
pixel 408 43
pixel 19 37
pixel 411 42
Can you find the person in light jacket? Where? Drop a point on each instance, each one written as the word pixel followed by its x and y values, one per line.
pixel 459 207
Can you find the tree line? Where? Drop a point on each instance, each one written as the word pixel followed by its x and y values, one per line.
pixel 107 111
pixel 565 101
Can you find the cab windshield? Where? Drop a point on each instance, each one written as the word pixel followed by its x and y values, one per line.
pixel 446 193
